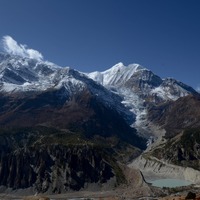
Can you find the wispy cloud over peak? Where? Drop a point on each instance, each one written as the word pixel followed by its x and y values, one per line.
pixel 11 46
pixel 198 88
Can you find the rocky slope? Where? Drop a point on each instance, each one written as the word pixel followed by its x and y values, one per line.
pixel 177 116
pixel 54 168
pixel 50 160
pixel 83 113
pixel 182 150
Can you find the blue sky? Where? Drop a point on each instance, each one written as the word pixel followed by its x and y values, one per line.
pixel 90 35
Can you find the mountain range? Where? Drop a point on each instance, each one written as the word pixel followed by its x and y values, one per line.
pixel 57 123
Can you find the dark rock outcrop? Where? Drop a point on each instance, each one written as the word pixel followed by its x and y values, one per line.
pixel 54 168
pixel 50 160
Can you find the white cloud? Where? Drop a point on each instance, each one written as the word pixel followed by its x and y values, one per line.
pixel 198 88
pixel 12 47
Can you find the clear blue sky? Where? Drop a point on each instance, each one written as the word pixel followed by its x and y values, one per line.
pixel 89 35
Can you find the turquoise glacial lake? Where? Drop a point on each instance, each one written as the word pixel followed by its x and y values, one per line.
pixel 171 183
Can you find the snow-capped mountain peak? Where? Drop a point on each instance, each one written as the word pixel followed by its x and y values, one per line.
pixel 121 68
pixel 116 75
pixel 25 74
pixel 139 88
pixel 140 81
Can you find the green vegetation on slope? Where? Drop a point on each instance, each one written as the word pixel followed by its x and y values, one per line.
pixel 183 149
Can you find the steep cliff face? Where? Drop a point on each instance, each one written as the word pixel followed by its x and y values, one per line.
pixel 55 168
pixel 50 160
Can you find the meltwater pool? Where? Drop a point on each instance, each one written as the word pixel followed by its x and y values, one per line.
pixel 169 183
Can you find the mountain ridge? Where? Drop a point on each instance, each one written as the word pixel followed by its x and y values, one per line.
pixel 131 89
pixel 109 109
